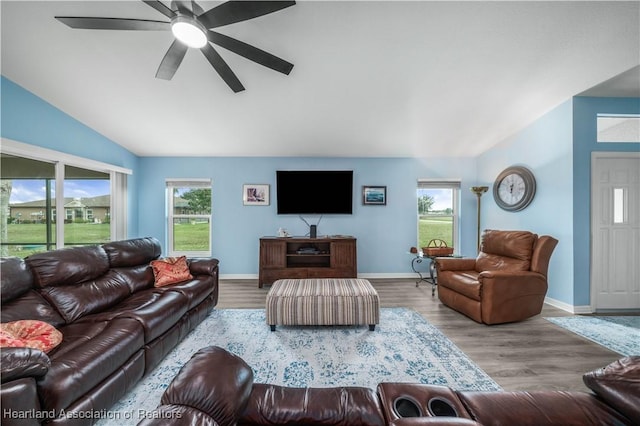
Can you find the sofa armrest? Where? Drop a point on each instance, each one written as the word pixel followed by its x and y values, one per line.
pixel 506 285
pixel 455 264
pixel 17 363
pixel 213 388
pixel 203 266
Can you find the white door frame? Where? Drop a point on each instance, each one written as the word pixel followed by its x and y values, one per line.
pixel 597 155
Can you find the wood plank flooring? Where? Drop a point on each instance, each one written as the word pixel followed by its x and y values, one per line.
pixel 530 355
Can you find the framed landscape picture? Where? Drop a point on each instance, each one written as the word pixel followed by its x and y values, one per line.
pixel 255 194
pixel 374 195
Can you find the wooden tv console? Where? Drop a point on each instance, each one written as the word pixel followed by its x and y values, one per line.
pixel 325 257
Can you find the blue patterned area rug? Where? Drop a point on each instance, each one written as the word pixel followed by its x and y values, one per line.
pixel 403 348
pixel 618 333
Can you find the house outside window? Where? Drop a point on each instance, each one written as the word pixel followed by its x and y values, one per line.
pixel 438 217
pixel 189 217
pixel 37 182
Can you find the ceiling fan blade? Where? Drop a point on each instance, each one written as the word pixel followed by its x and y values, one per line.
pixel 172 60
pixel 196 9
pixel 250 52
pixel 160 7
pixel 237 11
pixel 222 68
pixel 114 24
pixel 182 6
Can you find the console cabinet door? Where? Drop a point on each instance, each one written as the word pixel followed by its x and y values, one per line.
pixel 273 254
pixel 343 257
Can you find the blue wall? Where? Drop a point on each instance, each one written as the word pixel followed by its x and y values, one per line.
pixel 384 233
pixel 29 119
pixel 585 110
pixel 557 148
pixel 544 147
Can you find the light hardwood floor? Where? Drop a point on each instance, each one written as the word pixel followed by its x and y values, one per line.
pixel 529 355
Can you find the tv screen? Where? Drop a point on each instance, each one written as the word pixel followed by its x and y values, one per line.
pixel 314 191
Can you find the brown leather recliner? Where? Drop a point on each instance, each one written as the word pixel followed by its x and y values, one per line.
pixel 507 282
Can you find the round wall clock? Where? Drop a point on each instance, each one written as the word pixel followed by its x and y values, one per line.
pixel 514 188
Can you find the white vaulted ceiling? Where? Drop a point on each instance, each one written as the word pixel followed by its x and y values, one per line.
pixel 371 78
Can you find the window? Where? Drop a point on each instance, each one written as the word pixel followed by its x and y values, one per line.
pixel 438 211
pixel 189 217
pixel 618 128
pixel 37 182
pixel 87 198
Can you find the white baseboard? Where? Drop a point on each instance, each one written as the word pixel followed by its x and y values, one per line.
pixel 388 275
pixel 238 276
pixel 567 307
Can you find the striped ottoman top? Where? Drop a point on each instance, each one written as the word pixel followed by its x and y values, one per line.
pixel 348 287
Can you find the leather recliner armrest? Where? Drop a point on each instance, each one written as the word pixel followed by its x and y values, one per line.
pixel 17 363
pixel 455 264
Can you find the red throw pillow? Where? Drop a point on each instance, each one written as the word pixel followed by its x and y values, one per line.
pixel 29 334
pixel 170 270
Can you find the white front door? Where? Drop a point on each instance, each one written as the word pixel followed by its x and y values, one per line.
pixel 615 230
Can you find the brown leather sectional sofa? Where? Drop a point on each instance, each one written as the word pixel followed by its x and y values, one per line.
pixel 116 326
pixel 216 388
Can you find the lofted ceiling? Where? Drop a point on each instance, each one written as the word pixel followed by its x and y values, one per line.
pixel 370 78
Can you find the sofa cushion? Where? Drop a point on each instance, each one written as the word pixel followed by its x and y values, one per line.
pixel 463 282
pixel 137 251
pixel 170 270
pixel 29 334
pixel 195 290
pixel 68 266
pixel 516 244
pixel 75 301
pixel 493 262
pixel 136 277
pixel 618 384
pixel 155 310
pixel 505 250
pixel 537 408
pixel 30 305
pixel 15 279
pixel 89 353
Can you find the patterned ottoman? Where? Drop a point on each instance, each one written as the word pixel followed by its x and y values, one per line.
pixel 323 301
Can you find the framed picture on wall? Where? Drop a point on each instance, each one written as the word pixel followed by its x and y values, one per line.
pixel 255 194
pixel 374 195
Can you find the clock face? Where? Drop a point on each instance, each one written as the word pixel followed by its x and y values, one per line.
pixel 514 188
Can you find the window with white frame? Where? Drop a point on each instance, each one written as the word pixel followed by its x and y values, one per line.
pixel 189 217
pixel 438 218
pixel 37 182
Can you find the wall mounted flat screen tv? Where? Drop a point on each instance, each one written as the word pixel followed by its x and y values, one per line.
pixel 314 191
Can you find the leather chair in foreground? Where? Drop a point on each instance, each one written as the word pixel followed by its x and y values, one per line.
pixel 507 282
pixel 216 388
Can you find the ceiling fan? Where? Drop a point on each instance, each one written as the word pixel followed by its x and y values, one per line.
pixel 191 27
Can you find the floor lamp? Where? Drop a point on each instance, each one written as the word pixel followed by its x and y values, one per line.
pixel 479 190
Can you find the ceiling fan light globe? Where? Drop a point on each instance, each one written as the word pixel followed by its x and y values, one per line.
pixel 189 33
